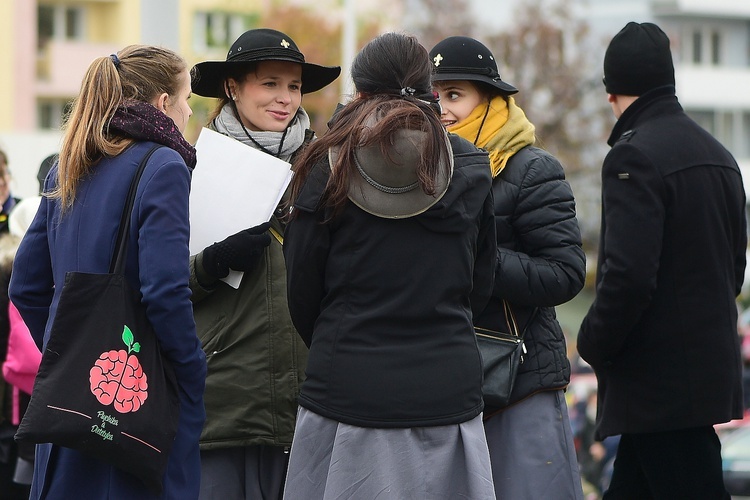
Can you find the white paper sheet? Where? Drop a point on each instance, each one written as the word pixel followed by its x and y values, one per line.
pixel 234 187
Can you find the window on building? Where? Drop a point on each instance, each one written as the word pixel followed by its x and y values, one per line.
pixel 730 127
pixel 744 146
pixel 45 24
pixel 725 130
pixel 706 45
pixel 705 119
pixel 73 23
pixel 697 47
pixel 217 30
pixel 715 48
pixel 62 22
pixel 51 113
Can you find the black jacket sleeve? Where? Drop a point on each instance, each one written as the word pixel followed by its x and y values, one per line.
pixel 540 259
pixel 306 248
pixel 484 265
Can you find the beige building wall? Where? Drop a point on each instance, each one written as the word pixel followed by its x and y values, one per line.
pixel 17 60
pixel 52 74
pixel 31 77
pixel 6 61
pixel 7 43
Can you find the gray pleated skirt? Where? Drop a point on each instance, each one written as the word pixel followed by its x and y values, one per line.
pixel 334 461
pixel 532 450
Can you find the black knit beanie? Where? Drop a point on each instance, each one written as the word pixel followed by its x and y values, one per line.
pixel 637 60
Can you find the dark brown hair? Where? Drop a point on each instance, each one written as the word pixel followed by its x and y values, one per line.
pixel 238 74
pixel 392 78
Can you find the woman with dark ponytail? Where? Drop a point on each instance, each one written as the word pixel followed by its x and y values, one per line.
pixel 129 102
pixel 390 249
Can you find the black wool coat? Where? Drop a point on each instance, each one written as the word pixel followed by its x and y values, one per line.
pixel 540 264
pixel 661 334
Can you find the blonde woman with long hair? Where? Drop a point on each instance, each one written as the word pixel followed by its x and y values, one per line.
pixel 129 102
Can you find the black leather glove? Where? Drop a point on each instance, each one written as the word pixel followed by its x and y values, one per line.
pixel 240 251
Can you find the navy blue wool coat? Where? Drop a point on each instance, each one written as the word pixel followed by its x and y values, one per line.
pixel 157 265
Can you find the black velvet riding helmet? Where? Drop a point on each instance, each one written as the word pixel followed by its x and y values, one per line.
pixel 463 58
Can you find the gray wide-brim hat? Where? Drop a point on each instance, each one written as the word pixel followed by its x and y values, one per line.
pixel 388 186
pixel 259 45
pixel 463 58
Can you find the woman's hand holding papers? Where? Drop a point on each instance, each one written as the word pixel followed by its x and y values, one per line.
pixel 239 251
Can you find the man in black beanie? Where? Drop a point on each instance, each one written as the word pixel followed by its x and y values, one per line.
pixel 661 334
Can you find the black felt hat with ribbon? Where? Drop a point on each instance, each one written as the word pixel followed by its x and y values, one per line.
pixel 463 58
pixel 259 45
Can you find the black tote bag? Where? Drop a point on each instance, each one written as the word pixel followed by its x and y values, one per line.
pixel 102 387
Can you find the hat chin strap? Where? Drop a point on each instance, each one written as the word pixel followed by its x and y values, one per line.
pixel 380 187
pixel 481 125
pixel 281 142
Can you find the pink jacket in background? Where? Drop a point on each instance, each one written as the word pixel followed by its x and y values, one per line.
pixel 23 358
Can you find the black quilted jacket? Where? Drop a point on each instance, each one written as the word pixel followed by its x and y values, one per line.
pixel 540 263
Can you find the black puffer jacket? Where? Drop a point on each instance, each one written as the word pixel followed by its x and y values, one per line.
pixel 540 263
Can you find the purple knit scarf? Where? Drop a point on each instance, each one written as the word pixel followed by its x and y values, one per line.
pixel 142 121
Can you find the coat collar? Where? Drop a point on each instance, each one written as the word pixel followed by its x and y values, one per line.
pixel 653 103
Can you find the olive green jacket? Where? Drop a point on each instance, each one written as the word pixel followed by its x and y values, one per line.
pixel 256 360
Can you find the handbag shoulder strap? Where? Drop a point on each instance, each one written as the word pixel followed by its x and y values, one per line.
pixel 529 321
pixel 510 319
pixel 117 265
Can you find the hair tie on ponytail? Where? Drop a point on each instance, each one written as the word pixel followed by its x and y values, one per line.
pixel 115 60
pixel 408 92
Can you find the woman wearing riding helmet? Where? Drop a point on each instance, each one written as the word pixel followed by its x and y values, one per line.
pixel 540 264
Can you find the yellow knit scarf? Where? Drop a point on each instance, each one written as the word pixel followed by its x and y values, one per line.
pixel 498 126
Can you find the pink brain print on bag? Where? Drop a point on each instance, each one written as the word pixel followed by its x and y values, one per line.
pixel 117 377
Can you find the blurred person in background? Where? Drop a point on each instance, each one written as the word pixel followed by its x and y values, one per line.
pixel 16 459
pixel 19 355
pixel 129 102
pixel 7 200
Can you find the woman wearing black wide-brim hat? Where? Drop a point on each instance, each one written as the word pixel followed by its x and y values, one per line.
pixel 540 264
pixel 256 360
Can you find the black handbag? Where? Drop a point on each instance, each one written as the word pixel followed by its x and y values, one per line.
pixel 501 353
pixel 102 386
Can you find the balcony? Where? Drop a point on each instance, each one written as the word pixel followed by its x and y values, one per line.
pixel 728 9
pixel 61 65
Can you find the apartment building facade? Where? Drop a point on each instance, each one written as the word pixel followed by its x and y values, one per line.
pixel 47 45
